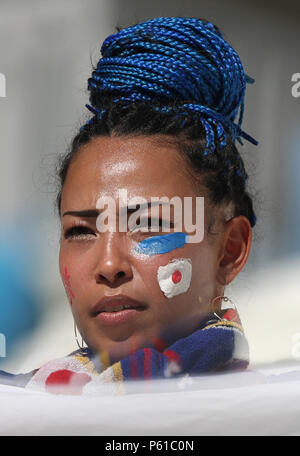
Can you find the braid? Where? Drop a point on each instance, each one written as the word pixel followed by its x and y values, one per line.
pixel 175 76
pixel 167 59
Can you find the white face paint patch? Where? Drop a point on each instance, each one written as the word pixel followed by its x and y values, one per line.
pixel 175 277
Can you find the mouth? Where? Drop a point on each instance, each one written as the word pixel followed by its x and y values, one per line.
pixel 117 309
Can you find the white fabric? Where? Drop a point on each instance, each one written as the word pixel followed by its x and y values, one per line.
pixel 257 402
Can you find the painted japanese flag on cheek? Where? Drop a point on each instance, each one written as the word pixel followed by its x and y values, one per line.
pixel 175 277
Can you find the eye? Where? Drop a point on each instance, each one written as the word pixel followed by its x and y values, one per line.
pixel 79 232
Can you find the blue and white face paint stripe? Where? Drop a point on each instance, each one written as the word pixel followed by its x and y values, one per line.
pixel 157 245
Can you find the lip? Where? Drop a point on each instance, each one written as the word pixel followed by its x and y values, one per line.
pixel 109 318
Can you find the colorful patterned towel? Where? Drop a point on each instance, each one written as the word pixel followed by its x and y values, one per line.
pixel 219 344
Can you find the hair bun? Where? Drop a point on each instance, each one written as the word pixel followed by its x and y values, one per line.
pixel 175 63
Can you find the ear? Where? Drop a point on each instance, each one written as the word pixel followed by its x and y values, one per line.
pixel 236 245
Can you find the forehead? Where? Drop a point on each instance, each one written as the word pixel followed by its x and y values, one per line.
pixel 144 166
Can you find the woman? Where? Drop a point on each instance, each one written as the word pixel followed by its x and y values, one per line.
pixel 148 300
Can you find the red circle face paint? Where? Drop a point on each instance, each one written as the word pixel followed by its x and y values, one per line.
pixel 66 279
pixel 176 276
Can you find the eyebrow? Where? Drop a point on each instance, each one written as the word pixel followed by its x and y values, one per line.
pixel 93 213
pixel 84 213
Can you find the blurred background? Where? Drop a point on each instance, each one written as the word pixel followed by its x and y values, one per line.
pixel 46 52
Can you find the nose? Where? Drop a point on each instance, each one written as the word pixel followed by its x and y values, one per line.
pixel 113 265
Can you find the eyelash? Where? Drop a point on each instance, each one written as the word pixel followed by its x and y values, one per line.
pixel 78 231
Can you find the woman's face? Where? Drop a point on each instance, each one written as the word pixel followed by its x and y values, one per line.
pixel 95 264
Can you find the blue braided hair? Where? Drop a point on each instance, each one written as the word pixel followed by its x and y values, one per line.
pixel 175 58
pixel 175 76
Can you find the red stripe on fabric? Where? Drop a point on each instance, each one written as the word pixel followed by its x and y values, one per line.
pixel 173 356
pixel 134 346
pixel 134 371
pixel 147 362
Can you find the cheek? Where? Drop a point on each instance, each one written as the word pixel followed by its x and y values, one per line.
pixel 73 276
pixel 172 275
pixel 175 277
pixel 66 278
pixel 165 275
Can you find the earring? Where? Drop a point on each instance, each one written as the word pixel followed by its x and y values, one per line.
pixel 225 299
pixel 82 347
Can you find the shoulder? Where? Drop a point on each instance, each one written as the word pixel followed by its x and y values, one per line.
pixel 20 380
